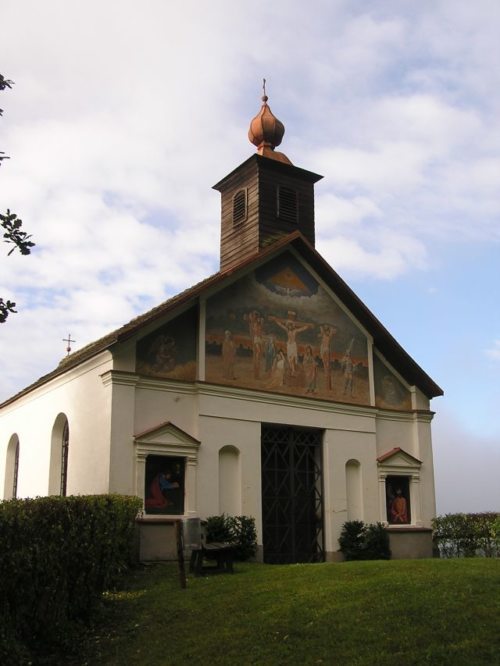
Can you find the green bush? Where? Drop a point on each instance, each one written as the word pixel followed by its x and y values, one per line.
pixel 359 541
pixel 238 529
pixel 58 555
pixel 467 534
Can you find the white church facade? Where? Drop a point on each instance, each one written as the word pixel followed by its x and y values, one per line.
pixel 268 390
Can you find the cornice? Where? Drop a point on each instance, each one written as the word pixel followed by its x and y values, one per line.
pixel 201 388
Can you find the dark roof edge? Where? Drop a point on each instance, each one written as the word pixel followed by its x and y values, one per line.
pixel 270 164
pixel 383 340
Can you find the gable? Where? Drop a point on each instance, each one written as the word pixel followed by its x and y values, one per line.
pixel 398 460
pixel 390 392
pixel 382 339
pixel 166 439
pixel 278 329
pixel 170 351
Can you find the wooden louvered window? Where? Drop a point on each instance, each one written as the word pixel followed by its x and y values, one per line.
pixel 287 202
pixel 239 207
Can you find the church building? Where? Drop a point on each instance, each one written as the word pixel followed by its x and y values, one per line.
pixel 267 390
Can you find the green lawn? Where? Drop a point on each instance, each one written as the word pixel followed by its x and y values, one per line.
pixel 397 613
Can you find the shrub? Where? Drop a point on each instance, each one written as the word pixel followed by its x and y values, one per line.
pixel 467 534
pixel 238 529
pixel 58 555
pixel 351 539
pixel 377 543
pixel 359 541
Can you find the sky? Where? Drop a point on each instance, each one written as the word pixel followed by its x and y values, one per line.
pixel 124 114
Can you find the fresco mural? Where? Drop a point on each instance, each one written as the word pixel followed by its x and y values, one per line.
pixel 389 391
pixel 170 351
pixel 277 329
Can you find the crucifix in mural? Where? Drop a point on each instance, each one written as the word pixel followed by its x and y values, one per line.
pixel 278 329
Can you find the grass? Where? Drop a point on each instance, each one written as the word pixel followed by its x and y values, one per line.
pixel 396 612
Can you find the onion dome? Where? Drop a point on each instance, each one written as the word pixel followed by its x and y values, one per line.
pixel 266 132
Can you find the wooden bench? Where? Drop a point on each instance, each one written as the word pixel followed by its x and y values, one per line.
pixel 218 551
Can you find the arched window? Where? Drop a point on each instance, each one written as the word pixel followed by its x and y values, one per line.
pixel 58 472
pixel 353 490
pixel 229 481
pixel 64 459
pixel 11 468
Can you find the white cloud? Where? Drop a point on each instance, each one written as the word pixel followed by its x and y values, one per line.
pixel 374 255
pixel 386 168
pixel 494 352
pixel 337 212
pixel 123 117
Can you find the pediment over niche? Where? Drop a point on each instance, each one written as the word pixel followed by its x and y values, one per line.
pixel 166 439
pixel 399 459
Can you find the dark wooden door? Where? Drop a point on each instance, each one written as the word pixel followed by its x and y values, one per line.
pixel 292 502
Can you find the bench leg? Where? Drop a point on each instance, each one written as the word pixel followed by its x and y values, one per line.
pixel 196 562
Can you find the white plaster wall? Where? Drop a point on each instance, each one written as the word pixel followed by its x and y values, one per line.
pixel 121 452
pixel 422 434
pixel 80 395
pixel 395 430
pixel 220 416
pixel 157 402
pixel 230 481
pixel 229 420
pixel 339 447
pixel 216 432
pixel 419 400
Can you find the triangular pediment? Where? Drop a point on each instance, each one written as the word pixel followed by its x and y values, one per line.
pixel 166 438
pixel 397 457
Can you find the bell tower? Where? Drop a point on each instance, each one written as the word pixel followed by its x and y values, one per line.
pixel 266 197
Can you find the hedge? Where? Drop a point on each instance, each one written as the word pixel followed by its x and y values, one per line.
pixel 240 530
pixel 58 554
pixel 467 534
pixel 360 541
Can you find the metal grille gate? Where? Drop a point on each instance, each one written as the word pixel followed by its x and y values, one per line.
pixel 292 502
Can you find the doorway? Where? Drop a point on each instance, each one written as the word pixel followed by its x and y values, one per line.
pixel 292 494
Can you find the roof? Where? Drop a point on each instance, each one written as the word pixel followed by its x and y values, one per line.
pixel 383 340
pixel 273 165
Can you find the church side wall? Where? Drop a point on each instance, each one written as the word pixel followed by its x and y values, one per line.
pixel 422 436
pixel 81 397
pixel 412 433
